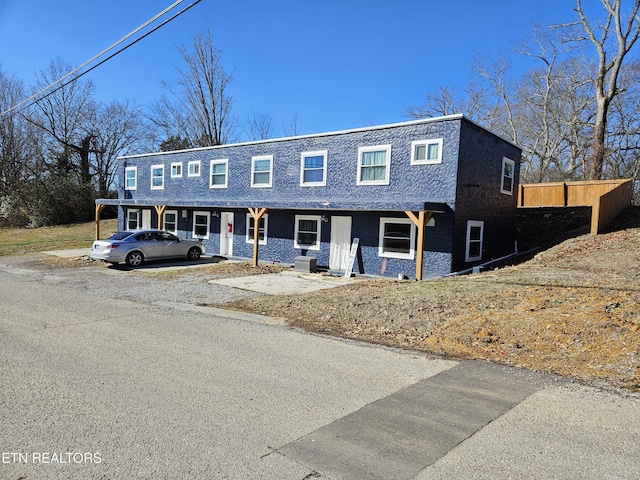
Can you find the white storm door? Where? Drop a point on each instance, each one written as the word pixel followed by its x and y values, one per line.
pixel 226 234
pixel 340 243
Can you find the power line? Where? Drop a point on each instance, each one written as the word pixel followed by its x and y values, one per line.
pixel 33 99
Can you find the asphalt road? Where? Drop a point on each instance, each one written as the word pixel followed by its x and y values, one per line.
pixel 94 387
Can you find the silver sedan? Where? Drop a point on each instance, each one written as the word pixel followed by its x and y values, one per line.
pixel 134 247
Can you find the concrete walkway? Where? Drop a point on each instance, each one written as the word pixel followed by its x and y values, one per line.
pixel 284 283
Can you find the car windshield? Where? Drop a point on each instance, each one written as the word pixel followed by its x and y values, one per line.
pixel 120 235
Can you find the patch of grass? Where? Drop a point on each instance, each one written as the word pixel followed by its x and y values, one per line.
pixel 21 241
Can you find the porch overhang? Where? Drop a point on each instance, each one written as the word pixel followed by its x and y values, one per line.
pixel 257 208
pixel 379 205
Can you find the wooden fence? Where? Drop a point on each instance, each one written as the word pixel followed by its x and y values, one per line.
pixel 606 197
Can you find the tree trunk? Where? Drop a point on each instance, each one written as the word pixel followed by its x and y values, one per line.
pixel 596 161
pixel 85 172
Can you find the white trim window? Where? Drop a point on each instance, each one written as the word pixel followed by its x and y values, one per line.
pixel 475 234
pixel 170 221
pixel 508 171
pixel 307 232
pixel 133 219
pixel 157 177
pixel 262 229
pixel 374 165
pixel 131 178
pixel 176 170
pixel 313 169
pixel 262 171
pixel 426 152
pixel 397 238
pixel 201 225
pixel 193 168
pixel 218 173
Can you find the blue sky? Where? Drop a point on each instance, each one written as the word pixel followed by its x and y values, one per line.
pixel 336 64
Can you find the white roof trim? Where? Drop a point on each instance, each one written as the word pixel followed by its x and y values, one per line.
pixel 444 118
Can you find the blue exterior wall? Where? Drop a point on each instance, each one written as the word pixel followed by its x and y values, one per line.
pixel 408 183
pixel 471 156
pixel 479 197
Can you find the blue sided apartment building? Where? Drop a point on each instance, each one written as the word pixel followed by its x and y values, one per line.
pixel 423 198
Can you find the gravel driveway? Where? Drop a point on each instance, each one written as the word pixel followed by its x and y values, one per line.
pixel 125 284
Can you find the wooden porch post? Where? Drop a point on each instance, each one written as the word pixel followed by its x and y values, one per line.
pixel 99 208
pixel 160 209
pixel 257 214
pixel 420 221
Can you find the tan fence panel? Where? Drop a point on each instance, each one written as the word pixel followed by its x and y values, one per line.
pixel 610 204
pixel 606 197
pixel 542 195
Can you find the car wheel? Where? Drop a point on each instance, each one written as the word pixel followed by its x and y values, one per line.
pixel 134 259
pixel 193 253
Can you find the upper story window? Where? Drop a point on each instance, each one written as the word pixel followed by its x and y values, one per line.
pixel 262 171
pixel 157 177
pixel 508 169
pixel 262 229
pixel 193 168
pixel 397 238
pixel 425 152
pixel 475 233
pixel 218 177
pixel 176 170
pixel 374 165
pixel 313 169
pixel 131 178
pixel 307 232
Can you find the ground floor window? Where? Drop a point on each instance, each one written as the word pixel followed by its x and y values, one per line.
pixel 475 232
pixel 262 229
pixel 201 224
pixel 133 219
pixel 397 238
pixel 170 221
pixel 307 232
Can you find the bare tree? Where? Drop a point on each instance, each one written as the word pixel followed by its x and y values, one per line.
pixel 198 106
pixel 622 159
pixel 446 101
pixel 613 40
pixel 259 126
pixel 12 138
pixel 19 146
pixel 120 130
pixel 575 115
pixel 291 129
pixel 65 115
pixel 554 107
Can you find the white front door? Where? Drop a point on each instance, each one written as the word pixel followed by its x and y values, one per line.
pixel 340 243
pixel 226 234
pixel 146 219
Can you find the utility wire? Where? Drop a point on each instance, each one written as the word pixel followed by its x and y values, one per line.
pixel 33 99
